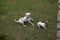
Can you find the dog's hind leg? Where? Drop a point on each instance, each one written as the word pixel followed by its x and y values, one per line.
pixel 23 23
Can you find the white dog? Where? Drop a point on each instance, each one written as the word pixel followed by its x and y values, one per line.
pixel 42 24
pixel 24 19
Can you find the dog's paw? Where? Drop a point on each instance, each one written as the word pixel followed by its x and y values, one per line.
pixel 24 25
pixel 32 24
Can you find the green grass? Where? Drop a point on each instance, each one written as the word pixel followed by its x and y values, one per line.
pixel 40 9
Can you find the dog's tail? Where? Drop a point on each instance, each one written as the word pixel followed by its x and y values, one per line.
pixel 16 20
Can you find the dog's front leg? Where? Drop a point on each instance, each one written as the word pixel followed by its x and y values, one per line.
pixel 38 25
pixel 44 27
pixel 30 22
pixel 31 19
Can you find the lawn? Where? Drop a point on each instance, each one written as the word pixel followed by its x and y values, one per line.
pixel 40 9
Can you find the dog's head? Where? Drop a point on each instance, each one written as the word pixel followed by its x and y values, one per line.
pixel 28 14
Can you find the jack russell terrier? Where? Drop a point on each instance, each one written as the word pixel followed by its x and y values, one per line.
pixel 42 24
pixel 26 18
